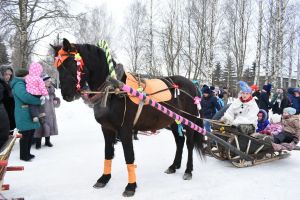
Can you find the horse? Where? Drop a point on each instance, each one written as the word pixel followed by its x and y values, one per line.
pixel 117 117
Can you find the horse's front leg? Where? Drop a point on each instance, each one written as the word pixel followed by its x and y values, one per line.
pixel 109 137
pixel 126 139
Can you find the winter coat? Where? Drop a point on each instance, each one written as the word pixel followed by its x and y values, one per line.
pixel 34 83
pixel 295 103
pixel 263 101
pixel 274 128
pixel 262 124
pixel 4 121
pixel 22 99
pixel 292 125
pixel 256 95
pixel 209 106
pixel 8 98
pixel 242 113
pixel 49 128
pixel 280 102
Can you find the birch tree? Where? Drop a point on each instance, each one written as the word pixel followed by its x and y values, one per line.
pixel 259 41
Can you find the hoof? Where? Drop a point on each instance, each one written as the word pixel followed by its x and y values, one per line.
pixel 129 190
pixel 128 193
pixel 102 181
pixel 170 171
pixel 187 176
pixel 99 185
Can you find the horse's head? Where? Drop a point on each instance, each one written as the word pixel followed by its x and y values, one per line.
pixel 69 67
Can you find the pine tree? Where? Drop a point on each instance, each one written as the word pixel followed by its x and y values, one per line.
pixel 249 74
pixel 216 81
pixel 3 53
pixel 230 77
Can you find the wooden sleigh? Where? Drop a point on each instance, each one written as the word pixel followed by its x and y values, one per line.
pixel 5 152
pixel 259 149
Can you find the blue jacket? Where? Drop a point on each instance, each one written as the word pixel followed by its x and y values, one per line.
pixel 262 124
pixel 295 103
pixel 209 106
pixel 22 99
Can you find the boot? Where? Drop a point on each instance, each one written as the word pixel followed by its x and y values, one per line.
pixel 38 143
pixel 48 143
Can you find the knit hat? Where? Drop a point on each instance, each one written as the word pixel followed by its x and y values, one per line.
pixel 206 90
pixel 275 118
pixel 267 87
pixel 46 77
pixel 244 87
pixel 290 110
pixel 254 87
pixel 21 72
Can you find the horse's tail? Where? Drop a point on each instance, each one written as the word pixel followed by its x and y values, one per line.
pixel 199 140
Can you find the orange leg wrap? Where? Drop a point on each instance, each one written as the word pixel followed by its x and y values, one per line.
pixel 107 167
pixel 131 173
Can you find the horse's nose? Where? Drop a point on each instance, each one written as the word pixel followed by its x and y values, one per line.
pixel 68 98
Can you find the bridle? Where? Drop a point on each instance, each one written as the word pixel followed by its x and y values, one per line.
pixel 62 56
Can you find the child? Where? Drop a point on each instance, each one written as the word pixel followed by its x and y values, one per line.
pixel 262 120
pixel 36 86
pixel 275 127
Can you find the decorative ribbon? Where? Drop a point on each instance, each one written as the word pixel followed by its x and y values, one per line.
pixel 179 127
pixel 197 101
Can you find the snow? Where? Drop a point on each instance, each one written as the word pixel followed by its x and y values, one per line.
pixel 70 168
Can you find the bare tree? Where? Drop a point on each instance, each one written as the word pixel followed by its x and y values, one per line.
pixel 94 25
pixel 258 48
pixel 134 32
pixel 29 21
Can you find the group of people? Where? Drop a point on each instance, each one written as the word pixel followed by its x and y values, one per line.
pixel 27 103
pixel 252 108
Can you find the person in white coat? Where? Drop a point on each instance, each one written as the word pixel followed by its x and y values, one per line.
pixel 243 110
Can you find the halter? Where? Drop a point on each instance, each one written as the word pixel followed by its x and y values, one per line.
pixel 63 55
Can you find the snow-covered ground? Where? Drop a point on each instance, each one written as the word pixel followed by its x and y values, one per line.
pixel 68 170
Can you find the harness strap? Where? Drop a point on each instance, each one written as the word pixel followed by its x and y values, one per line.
pixel 138 112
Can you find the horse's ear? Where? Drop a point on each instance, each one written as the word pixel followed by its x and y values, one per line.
pixel 56 48
pixel 66 45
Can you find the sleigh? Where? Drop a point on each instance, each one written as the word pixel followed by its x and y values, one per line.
pixel 259 149
pixel 4 156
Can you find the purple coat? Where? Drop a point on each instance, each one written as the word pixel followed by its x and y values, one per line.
pixel 49 128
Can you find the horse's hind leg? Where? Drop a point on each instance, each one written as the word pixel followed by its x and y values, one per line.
pixel 126 139
pixel 190 146
pixel 109 137
pixel 179 148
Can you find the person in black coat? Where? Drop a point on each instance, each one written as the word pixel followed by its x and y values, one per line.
pixel 209 106
pixel 4 121
pixel 263 100
pixel 6 75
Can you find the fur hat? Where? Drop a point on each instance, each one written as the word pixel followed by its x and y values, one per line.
pixel 21 72
pixel 275 118
pixel 244 87
pixel 290 110
pixel 267 87
pixel 296 90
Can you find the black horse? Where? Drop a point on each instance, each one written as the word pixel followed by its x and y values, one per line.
pixel 117 117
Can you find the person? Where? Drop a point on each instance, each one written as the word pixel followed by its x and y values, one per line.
pixel 243 110
pixel 24 123
pixel 49 127
pixel 290 128
pixel 209 105
pixel 280 101
pixel 4 120
pixel 295 100
pixel 275 127
pixel 263 100
pixel 262 120
pixel 36 86
pixel 6 74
